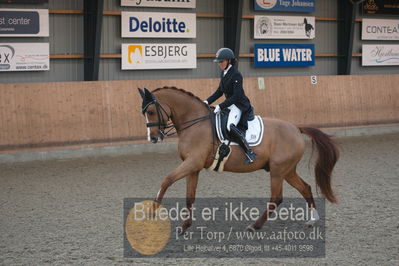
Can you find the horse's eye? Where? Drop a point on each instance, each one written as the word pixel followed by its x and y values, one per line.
pixel 150 112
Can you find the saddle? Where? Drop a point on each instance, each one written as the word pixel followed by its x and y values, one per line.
pixel 253 136
pixel 254 133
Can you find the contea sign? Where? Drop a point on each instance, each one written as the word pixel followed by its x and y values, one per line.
pixel 380 29
pixel 158 25
pixel 137 56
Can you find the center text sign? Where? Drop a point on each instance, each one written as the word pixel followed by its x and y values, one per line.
pixel 24 23
pixel 285 5
pixel 158 25
pixel 159 3
pixel 284 55
pixel 159 56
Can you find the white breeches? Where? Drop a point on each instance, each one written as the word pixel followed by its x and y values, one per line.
pixel 234 116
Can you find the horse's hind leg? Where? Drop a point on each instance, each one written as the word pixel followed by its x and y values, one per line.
pixel 306 191
pixel 275 200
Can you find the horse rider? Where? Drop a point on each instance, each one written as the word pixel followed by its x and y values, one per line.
pixel 239 105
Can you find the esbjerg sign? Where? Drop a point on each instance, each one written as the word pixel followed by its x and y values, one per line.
pixel 160 3
pixel 380 29
pixel 24 23
pixel 158 25
pixel 280 27
pixel 159 56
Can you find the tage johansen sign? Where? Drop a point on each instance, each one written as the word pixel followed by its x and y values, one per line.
pixel 380 29
pixel 380 55
pixel 285 5
pixel 24 23
pixel 279 27
pixel 387 7
pixel 24 56
pixel 284 55
pixel 158 25
pixel 159 56
pixel 160 3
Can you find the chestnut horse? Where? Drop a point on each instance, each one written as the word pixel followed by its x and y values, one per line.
pixel 279 152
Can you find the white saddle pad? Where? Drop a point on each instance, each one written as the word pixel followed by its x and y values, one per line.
pixel 253 135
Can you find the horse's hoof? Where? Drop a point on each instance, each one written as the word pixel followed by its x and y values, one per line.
pixel 250 228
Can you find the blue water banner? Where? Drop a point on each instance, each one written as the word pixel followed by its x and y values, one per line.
pixel 284 55
pixel 285 5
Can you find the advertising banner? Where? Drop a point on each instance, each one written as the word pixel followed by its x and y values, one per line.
pixel 285 5
pixel 279 27
pixel 284 55
pixel 24 57
pixel 159 3
pixel 387 7
pixel 159 56
pixel 380 29
pixel 24 23
pixel 380 55
pixel 158 25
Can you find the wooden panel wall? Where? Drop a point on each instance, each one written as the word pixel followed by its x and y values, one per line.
pixel 48 115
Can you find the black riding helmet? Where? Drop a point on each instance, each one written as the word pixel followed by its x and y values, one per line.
pixel 224 54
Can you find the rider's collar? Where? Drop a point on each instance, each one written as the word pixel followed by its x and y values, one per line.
pixel 226 70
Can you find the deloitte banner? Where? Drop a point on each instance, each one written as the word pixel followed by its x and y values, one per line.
pixel 278 27
pixel 158 25
pixel 285 5
pixel 283 55
pixel 159 3
pixel 159 56
pixel 24 23
pixel 380 29
pixel 380 55
pixel 24 56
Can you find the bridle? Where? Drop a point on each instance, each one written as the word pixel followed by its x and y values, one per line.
pixel 162 124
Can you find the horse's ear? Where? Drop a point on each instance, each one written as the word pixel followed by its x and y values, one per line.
pixel 147 91
pixel 141 93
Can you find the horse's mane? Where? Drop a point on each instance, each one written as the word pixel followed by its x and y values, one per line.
pixel 181 90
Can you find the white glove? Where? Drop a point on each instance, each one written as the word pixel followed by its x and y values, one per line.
pixel 217 109
pixel 206 102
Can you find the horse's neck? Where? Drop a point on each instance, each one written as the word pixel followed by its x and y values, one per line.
pixel 183 107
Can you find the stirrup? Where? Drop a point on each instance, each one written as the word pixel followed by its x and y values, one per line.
pixel 251 156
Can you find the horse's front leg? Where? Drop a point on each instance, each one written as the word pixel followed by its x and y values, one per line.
pixel 187 167
pixel 191 182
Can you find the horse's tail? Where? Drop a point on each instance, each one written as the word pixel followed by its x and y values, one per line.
pixel 328 155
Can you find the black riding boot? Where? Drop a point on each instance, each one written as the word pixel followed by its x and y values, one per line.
pixel 239 137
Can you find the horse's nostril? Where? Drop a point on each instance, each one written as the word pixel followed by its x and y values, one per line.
pixel 154 140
